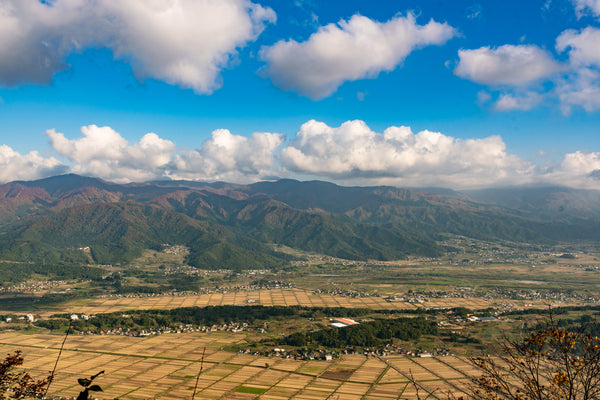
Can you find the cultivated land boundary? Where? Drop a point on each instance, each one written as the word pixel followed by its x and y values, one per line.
pixel 167 366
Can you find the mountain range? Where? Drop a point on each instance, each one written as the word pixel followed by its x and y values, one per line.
pixel 235 226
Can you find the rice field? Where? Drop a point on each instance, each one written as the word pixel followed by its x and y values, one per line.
pixel 270 297
pixel 167 366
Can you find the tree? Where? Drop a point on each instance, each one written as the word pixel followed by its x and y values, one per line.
pixel 19 385
pixel 550 363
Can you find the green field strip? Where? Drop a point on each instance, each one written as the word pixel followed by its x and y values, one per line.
pixel 276 383
pixel 402 392
pixel 245 382
pixel 381 375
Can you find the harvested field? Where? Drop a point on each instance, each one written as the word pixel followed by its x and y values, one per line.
pixel 166 366
pixel 270 297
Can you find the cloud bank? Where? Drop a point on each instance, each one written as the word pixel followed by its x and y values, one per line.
pixel 229 157
pixel 182 42
pixel 351 154
pixel 16 166
pixel 349 50
pixel 104 153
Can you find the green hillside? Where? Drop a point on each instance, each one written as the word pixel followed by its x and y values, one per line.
pixel 119 232
pixel 235 226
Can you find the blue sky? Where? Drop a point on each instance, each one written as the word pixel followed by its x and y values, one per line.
pixel 459 94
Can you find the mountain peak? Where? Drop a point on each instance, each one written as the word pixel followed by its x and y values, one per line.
pixel 65 183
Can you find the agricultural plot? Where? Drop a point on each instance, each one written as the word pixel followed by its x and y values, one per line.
pixel 270 297
pixel 167 366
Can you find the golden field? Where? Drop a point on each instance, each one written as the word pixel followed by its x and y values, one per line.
pixel 270 297
pixel 166 366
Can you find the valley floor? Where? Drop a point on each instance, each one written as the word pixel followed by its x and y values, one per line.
pixel 286 297
pixel 166 366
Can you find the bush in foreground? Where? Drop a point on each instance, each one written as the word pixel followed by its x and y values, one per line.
pixel 550 363
pixel 19 385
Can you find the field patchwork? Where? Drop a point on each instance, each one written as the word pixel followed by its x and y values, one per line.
pixel 166 366
pixel 269 297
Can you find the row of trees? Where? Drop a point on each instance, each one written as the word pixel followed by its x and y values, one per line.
pixel 21 271
pixel 147 319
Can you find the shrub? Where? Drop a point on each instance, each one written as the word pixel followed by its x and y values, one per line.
pixel 19 385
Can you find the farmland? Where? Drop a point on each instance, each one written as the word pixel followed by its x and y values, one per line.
pixel 271 297
pixel 242 363
pixel 167 366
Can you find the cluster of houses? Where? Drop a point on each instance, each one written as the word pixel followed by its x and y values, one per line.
pixel 33 287
pixel 327 355
pixel 494 294
pixel 345 292
pixel 21 319
pixel 227 327
pixel 538 294
pixel 260 285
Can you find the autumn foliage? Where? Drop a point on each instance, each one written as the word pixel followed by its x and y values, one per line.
pixel 19 384
pixel 549 364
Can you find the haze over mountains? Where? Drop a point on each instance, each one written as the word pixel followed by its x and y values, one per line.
pixel 235 226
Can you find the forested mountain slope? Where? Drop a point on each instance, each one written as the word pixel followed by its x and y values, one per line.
pixel 231 225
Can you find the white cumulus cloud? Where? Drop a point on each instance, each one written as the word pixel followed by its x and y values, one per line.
pixel 506 65
pixel 581 86
pixel 16 166
pixel 581 163
pixel 516 73
pixel 229 157
pixel 350 154
pixel 353 152
pixel 587 6
pixel 349 50
pixel 579 169
pixel 182 42
pixel 582 46
pixel 103 152
pixel 523 102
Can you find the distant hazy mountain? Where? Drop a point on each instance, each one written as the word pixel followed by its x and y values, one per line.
pixel 234 226
pixel 544 201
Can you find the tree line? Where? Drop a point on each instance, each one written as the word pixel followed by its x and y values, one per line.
pixel 367 334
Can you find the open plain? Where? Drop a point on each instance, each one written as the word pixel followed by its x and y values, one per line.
pixel 239 365
pixel 167 366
